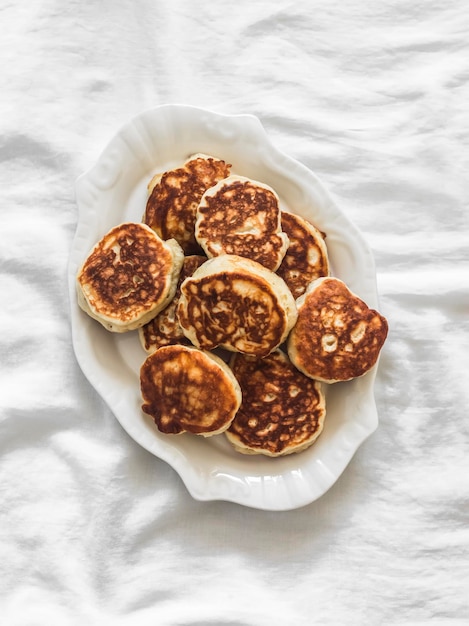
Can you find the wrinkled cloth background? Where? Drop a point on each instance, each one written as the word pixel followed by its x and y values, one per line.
pixel 373 97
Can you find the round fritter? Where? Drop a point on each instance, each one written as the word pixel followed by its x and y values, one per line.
pixel 337 336
pixel 164 329
pixel 187 390
pixel 282 410
pixel 242 217
pixel 236 304
pixel 174 197
pixel 129 276
pixel 306 258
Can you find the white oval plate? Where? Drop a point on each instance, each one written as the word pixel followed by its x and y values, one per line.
pixel 114 191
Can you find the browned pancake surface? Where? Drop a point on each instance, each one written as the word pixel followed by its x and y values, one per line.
pixel 164 329
pixel 306 258
pixel 337 336
pixel 235 307
pixel 187 390
pixel 282 410
pixel 126 272
pixel 172 204
pixel 242 217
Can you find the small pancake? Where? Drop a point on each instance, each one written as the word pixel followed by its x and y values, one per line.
pixel 241 216
pixel 337 336
pixel 237 304
pixel 282 410
pixel 128 277
pixel 164 329
pixel 174 196
pixel 306 258
pixel 187 390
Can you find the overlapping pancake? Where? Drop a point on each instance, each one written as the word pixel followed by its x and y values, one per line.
pixel 241 216
pixel 337 336
pixel 174 196
pixel 129 276
pixel 282 410
pixel 187 390
pixel 164 329
pixel 237 304
pixel 306 258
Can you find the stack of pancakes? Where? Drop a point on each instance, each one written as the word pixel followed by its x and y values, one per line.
pixel 217 268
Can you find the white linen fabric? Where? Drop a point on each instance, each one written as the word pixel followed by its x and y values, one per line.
pixel 372 96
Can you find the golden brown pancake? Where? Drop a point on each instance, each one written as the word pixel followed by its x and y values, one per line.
pixel 187 390
pixel 337 336
pixel 164 329
pixel 241 216
pixel 282 410
pixel 235 303
pixel 306 258
pixel 128 277
pixel 175 195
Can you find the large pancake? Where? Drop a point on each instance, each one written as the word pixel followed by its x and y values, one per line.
pixel 241 216
pixel 337 336
pixel 235 303
pixel 128 277
pixel 187 390
pixel 175 194
pixel 282 410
